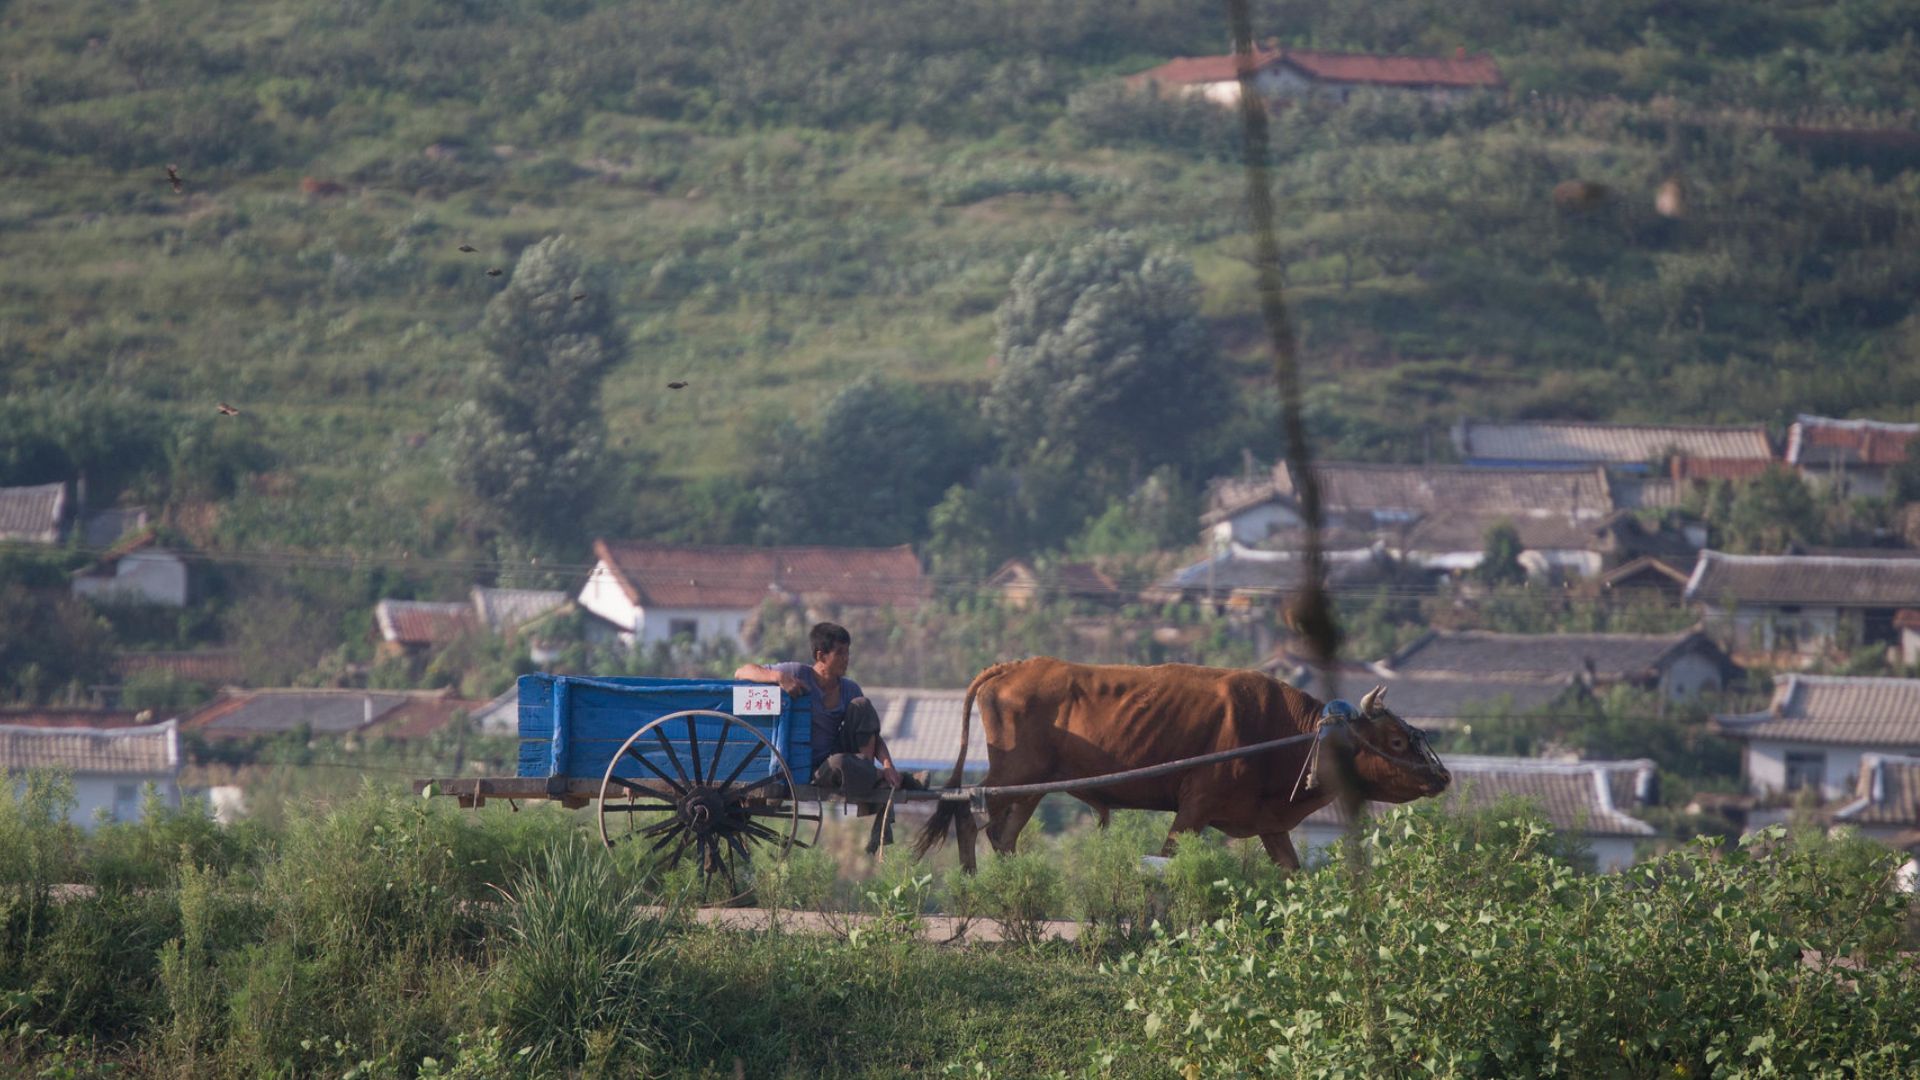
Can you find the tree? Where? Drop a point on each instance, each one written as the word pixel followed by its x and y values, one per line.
pixel 1903 480
pixel 48 644
pixel 905 446
pixel 526 443
pixel 1104 359
pixel 1771 511
pixel 1500 565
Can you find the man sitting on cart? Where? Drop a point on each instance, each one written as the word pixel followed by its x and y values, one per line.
pixel 846 727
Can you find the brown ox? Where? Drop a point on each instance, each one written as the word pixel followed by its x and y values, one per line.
pixel 1048 720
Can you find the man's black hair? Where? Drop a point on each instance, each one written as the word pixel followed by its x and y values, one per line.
pixel 826 636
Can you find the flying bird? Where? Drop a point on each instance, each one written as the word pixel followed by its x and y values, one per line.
pixel 227 410
pixel 677 385
pixel 494 271
pixel 173 177
pixel 579 296
pixel 468 249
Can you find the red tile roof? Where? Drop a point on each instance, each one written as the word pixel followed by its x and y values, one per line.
pixel 212 666
pixel 68 718
pixel 412 622
pixel 1709 468
pixel 720 576
pixel 1356 68
pixel 421 717
pixel 1853 442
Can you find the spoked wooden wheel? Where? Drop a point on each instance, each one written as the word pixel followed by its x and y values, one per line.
pixel 701 784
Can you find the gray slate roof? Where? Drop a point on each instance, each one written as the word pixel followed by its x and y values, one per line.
pixel 1250 570
pixel 103 528
pixel 1439 703
pixel 1889 793
pixel 33 514
pixel 264 712
pixel 1834 710
pixel 922 728
pixel 1805 579
pixel 1576 796
pixel 503 609
pixel 1611 444
pixel 1476 655
pixel 127 751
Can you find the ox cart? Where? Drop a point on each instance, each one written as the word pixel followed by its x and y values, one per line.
pixel 707 770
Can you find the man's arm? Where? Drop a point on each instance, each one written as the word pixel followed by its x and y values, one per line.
pixel 758 673
pixel 885 758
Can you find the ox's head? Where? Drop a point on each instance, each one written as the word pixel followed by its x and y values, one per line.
pixel 1391 757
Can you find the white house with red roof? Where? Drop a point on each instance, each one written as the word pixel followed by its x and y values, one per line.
pixel 1853 456
pixel 1282 73
pixel 647 593
pixel 136 570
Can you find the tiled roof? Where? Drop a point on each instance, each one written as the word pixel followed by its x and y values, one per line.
pixel 1257 572
pixel 68 718
pixel 1061 579
pixel 1613 444
pixel 501 716
pixel 1814 441
pixel 1889 793
pixel 266 712
pixel 1577 796
pixel 715 576
pixel 922 728
pixel 1706 468
pixel 503 609
pixel 420 717
pixel 1836 710
pixel 1645 571
pixel 214 667
pixel 1441 703
pixel 141 751
pixel 1466 530
pixel 33 513
pixel 1459 70
pixel 1352 487
pixel 415 622
pixel 1805 579
pixel 1355 68
pixel 1480 654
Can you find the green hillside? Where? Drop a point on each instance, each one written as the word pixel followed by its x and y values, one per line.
pixel 779 198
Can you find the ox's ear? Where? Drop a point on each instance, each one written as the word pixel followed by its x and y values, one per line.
pixel 1370 705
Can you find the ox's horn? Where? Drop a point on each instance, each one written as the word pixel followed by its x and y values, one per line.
pixel 1371 703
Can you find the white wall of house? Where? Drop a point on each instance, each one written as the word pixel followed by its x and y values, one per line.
pixel 1838 767
pixel 1691 674
pixel 1807 629
pixel 1858 481
pixel 1910 647
pixel 118 798
pixel 603 596
pixel 662 624
pixel 1543 564
pixel 150 575
pixel 1254 524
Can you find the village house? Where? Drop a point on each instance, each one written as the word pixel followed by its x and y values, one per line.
pixel 1817 730
pixel 251 713
pixel 1630 449
pixel 34 515
pixel 1020 582
pixel 1677 666
pixel 1284 74
pixel 412 627
pixel 646 594
pixel 1430 702
pixel 1886 801
pixel 1434 517
pixel 1789 607
pixel 136 570
pixel 110 767
pixel 1649 578
pixel 1244 577
pixel 1594 800
pixel 1851 456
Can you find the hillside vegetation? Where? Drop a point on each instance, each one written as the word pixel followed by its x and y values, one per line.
pixel 775 200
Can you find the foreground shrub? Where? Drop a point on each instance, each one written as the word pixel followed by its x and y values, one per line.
pixel 1471 952
pixel 1019 892
pixel 578 970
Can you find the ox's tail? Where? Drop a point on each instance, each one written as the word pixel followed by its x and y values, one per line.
pixel 934 833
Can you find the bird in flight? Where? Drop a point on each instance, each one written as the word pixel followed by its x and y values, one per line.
pixel 173 177
pixel 468 249
pixel 494 271
pixel 227 410
pixel 579 296
pixel 677 385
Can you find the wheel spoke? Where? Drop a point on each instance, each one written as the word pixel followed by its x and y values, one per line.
pixel 635 786
pixel 673 860
pixel 760 832
pixel 672 755
pixel 719 747
pixel 773 811
pixel 634 752
pixel 752 753
pixel 770 778
pixel 693 749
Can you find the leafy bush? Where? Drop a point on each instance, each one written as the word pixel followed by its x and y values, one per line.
pixel 1469 949
pixel 1019 893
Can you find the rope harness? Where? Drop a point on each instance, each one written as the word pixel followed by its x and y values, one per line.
pixel 1341 715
